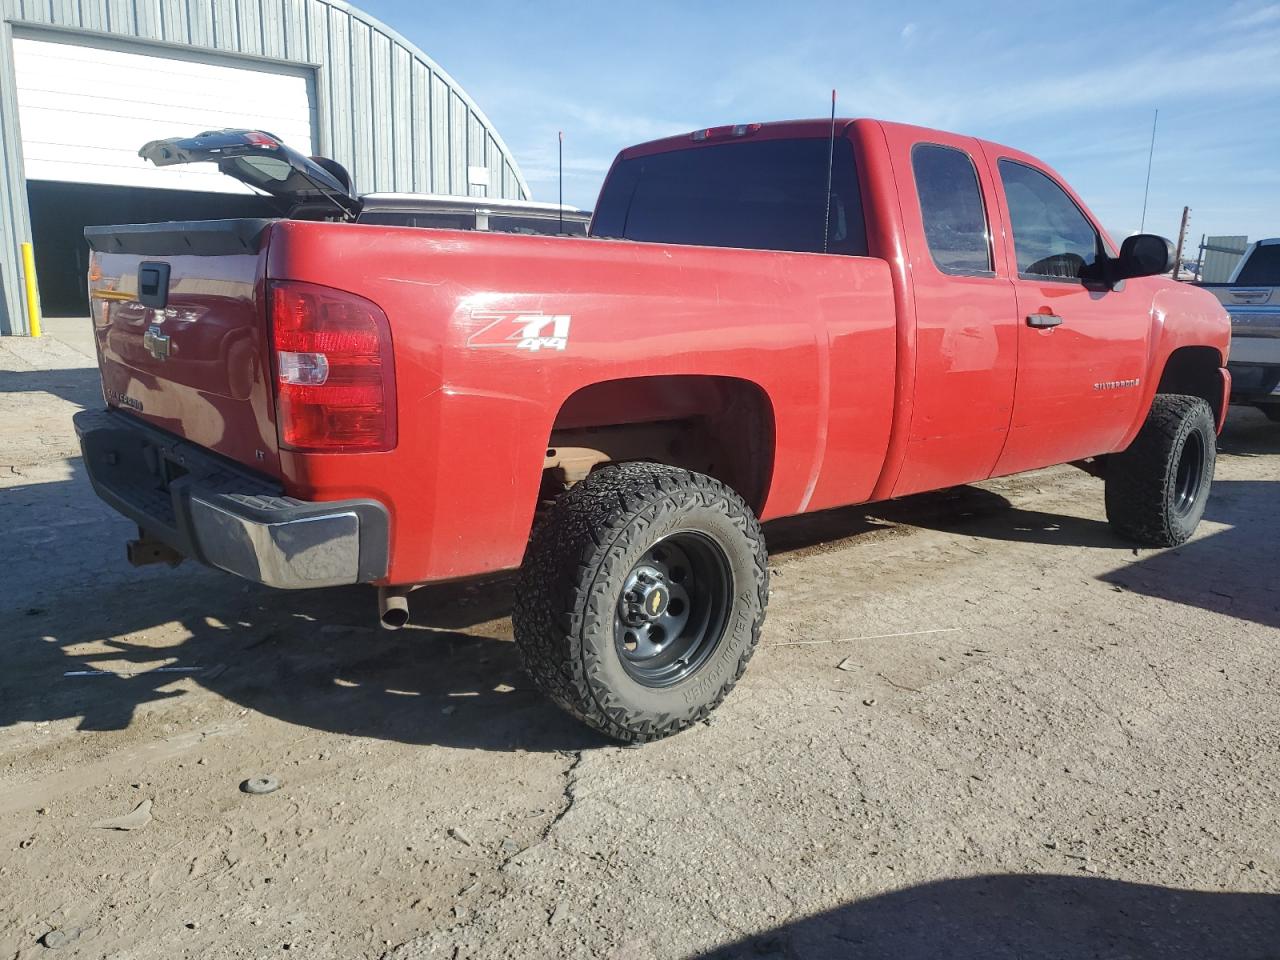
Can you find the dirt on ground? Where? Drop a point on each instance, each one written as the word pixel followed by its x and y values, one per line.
pixel 979 726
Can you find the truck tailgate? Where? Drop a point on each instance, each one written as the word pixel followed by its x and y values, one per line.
pixel 179 318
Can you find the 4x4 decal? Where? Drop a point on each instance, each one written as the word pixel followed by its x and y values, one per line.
pixel 524 331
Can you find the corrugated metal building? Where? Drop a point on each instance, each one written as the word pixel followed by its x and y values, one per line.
pixel 1219 257
pixel 84 83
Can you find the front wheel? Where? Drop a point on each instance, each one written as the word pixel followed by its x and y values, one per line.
pixel 641 599
pixel 1156 490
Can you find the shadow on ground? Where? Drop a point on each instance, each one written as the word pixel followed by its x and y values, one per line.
pixel 1012 917
pixel 314 658
pixel 1231 571
pixel 79 385
pixel 318 659
pixel 1248 433
pixel 971 511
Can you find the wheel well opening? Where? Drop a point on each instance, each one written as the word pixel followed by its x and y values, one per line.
pixel 1194 371
pixel 720 426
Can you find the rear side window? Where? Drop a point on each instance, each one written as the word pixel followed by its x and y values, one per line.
pixel 762 195
pixel 955 221
pixel 509 223
pixel 1262 267
pixel 1052 238
pixel 407 218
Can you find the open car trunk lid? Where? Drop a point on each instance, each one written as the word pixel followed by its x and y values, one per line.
pixel 179 318
pixel 263 162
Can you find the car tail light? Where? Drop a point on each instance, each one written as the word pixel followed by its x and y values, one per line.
pixel 335 378
pixel 256 139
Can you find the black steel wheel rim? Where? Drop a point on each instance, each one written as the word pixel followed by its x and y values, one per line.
pixel 1190 475
pixel 673 609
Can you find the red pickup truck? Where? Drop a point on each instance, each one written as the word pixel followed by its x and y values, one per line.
pixel 767 319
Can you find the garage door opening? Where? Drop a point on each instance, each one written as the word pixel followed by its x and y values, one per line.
pixel 85 107
pixel 61 211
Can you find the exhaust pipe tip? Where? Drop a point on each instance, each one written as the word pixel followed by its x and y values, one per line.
pixel 393 608
pixel 394 618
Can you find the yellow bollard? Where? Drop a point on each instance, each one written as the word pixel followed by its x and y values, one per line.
pixel 33 292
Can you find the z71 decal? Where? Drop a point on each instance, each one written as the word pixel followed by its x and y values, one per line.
pixel 524 331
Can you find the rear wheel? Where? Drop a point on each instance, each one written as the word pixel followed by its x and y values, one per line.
pixel 641 599
pixel 1157 489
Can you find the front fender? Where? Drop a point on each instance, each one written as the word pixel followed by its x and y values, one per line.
pixel 1183 316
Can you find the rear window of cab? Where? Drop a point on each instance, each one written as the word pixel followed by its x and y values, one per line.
pixel 761 195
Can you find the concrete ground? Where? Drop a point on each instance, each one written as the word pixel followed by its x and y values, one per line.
pixel 979 726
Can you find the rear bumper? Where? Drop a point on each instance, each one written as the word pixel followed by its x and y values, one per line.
pixel 213 511
pixel 1255 369
pixel 1255 351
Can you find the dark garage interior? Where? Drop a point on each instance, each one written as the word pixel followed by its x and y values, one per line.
pixel 61 211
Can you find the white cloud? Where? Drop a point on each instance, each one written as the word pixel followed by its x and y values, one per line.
pixel 1244 15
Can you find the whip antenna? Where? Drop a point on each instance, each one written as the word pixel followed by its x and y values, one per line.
pixel 831 156
pixel 561 177
pixel 1150 156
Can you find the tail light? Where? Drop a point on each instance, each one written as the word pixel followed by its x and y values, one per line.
pixel 335 378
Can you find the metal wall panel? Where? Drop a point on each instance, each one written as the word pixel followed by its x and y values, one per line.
pixel 200 24
pixel 440 145
pixel 1221 255
pixel 420 129
pixel 401 92
pixel 384 109
pixel 458 114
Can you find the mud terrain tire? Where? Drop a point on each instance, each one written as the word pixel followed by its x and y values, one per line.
pixel 1156 490
pixel 626 541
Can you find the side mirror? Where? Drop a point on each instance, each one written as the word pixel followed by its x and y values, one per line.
pixel 1142 255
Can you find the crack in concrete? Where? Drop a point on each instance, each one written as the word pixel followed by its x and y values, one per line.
pixel 570 786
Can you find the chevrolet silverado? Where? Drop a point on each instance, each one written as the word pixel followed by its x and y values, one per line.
pixel 766 320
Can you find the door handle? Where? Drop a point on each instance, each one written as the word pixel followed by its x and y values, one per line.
pixel 1043 321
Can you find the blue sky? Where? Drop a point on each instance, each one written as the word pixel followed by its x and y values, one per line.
pixel 1074 84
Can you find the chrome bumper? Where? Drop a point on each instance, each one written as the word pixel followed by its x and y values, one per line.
pixel 215 512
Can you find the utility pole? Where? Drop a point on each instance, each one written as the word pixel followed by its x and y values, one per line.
pixel 1182 236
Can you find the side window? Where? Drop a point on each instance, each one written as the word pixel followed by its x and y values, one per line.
pixel 955 221
pixel 1051 236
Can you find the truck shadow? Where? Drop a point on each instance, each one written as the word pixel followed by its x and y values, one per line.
pixel 316 668
pixel 82 635
pixel 1008 916
pixel 1248 433
pixel 315 659
pixel 79 385
pixel 971 511
pixel 318 659
pixel 1231 571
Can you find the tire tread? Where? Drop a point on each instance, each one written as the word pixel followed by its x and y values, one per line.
pixel 1138 479
pixel 572 548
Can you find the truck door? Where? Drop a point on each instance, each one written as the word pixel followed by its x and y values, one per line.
pixel 966 335
pixel 1082 349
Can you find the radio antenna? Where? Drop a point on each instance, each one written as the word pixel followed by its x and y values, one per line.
pixel 1150 156
pixel 561 177
pixel 831 156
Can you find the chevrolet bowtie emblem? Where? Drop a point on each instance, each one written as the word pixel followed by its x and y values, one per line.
pixel 156 342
